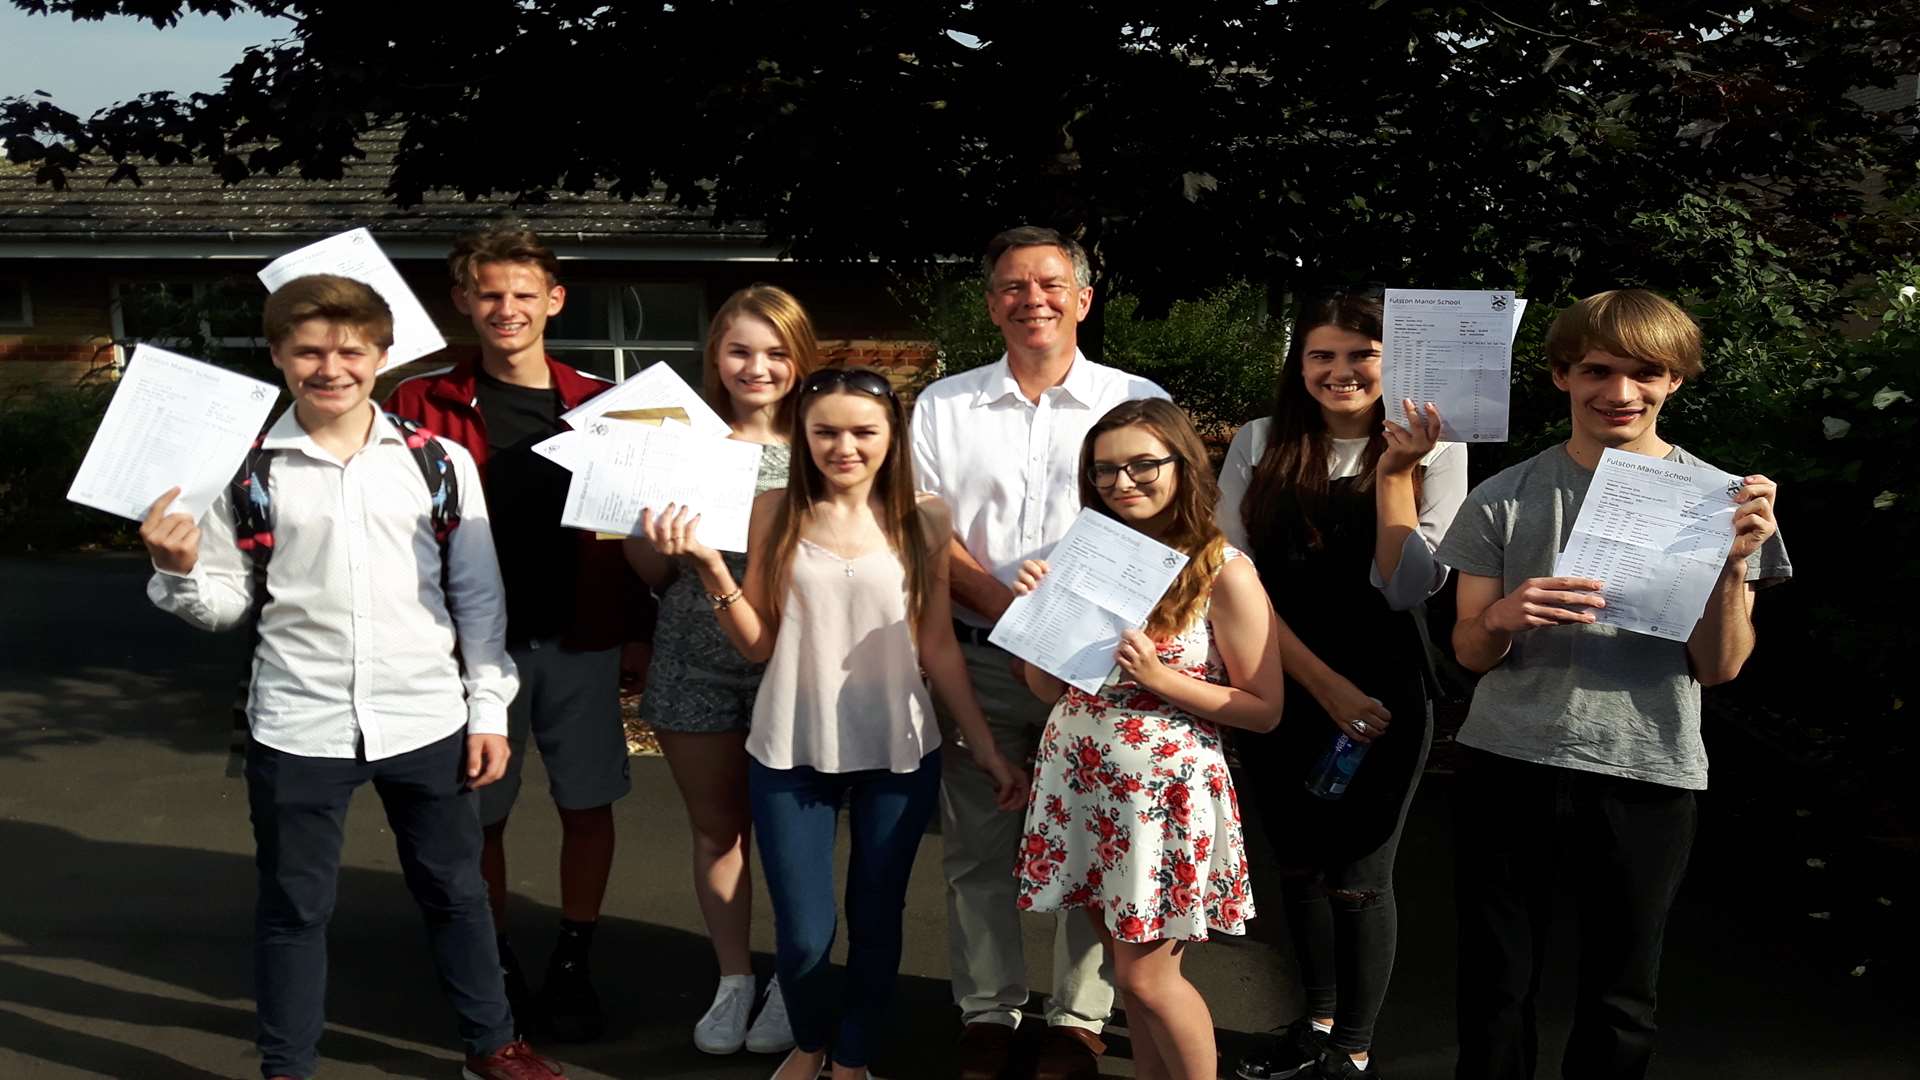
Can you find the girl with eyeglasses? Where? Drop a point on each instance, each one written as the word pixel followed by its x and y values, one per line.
pixel 1341 501
pixel 845 599
pixel 1133 817
pixel 700 692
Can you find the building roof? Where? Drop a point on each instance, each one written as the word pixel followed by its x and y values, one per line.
pixel 189 205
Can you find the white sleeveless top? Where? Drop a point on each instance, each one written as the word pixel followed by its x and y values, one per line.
pixel 843 690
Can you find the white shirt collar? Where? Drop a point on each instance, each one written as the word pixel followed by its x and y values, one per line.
pixel 287 434
pixel 1078 386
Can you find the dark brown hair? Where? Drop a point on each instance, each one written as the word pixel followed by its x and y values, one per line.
pixel 1191 529
pixel 900 518
pixel 330 297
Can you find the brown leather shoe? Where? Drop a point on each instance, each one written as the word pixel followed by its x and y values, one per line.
pixel 1069 1053
pixel 984 1051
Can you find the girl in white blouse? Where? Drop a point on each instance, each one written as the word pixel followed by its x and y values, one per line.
pixel 845 600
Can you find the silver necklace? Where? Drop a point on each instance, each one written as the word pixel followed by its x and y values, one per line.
pixel 838 545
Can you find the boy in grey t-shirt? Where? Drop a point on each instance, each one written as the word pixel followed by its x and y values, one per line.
pixel 1583 741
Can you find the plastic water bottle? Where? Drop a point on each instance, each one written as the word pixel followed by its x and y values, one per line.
pixel 1335 769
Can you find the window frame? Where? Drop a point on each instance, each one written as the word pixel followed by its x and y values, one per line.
pixel 617 343
pixel 25 322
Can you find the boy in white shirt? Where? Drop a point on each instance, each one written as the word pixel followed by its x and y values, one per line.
pixel 360 611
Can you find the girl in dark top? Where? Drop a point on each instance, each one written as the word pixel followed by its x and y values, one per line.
pixel 1341 508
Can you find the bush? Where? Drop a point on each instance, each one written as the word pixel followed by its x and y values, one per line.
pixel 44 434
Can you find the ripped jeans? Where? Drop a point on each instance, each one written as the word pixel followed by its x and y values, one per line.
pixel 1345 928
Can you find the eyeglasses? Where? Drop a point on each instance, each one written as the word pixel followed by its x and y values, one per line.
pixel 864 380
pixel 1143 471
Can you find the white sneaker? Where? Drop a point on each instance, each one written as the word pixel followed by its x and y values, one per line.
pixel 772 1032
pixel 724 1027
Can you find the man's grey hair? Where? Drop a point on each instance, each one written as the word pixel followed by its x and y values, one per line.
pixel 1021 236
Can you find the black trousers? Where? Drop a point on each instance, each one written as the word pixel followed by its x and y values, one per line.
pixel 1626 844
pixel 299 808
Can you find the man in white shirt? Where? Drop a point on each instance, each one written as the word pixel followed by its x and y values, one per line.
pixel 1001 445
pixel 380 657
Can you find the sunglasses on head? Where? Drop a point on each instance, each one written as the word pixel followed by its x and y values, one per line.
pixel 864 380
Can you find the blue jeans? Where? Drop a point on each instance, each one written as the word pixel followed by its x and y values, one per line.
pixel 299 809
pixel 795 817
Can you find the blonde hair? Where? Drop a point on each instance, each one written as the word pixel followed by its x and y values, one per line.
pixel 330 297
pixel 779 309
pixel 1633 323
pixel 1192 530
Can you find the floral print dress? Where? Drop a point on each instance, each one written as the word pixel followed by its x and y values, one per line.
pixel 1132 809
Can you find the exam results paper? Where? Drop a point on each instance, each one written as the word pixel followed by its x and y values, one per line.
pixel 656 387
pixel 621 468
pixel 1102 578
pixel 173 421
pixel 1656 533
pixel 1453 347
pixel 355 255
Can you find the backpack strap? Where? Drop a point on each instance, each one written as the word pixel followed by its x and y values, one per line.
pixel 251 499
pixel 443 486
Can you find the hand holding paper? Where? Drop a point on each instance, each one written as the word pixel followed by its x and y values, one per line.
pixel 1101 580
pixel 623 469
pixel 1454 348
pixel 173 540
pixel 1657 532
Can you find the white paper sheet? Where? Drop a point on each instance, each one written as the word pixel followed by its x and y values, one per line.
pixel 355 255
pixel 1656 533
pixel 172 420
pixel 1453 347
pixel 564 449
pixel 621 469
pixel 656 387
pixel 1103 578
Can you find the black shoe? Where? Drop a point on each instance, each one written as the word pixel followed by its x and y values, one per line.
pixel 569 1005
pixel 519 995
pixel 1291 1053
pixel 1337 1065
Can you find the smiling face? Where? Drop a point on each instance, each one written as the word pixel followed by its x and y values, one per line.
pixel 1616 399
pixel 329 367
pixel 1033 298
pixel 1341 369
pixel 1145 505
pixel 848 432
pixel 756 367
pixel 509 304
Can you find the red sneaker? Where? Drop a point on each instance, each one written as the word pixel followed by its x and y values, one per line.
pixel 514 1061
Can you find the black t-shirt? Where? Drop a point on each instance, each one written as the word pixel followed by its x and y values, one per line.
pixel 525 495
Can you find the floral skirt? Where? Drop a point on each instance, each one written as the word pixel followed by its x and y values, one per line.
pixel 1132 812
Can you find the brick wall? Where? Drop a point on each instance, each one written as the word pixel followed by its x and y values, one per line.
pixel 40 361
pixel 906 364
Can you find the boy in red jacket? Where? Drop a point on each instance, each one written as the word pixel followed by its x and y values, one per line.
pixel 567 597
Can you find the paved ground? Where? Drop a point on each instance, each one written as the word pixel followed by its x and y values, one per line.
pixel 124 919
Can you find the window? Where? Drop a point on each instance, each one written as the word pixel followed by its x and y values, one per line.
pixel 16 308
pixel 213 320
pixel 615 330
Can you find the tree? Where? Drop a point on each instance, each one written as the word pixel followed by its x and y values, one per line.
pixel 1185 143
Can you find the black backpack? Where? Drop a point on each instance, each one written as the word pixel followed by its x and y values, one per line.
pixel 252 502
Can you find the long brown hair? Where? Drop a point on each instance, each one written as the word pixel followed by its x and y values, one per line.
pixel 1191 529
pixel 779 309
pixel 1291 477
pixel 806 485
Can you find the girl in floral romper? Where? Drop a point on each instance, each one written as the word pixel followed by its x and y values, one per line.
pixel 1132 816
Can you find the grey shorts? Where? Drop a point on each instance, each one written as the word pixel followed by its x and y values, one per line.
pixel 570 701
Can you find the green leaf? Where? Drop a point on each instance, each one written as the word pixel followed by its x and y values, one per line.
pixel 1889 396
